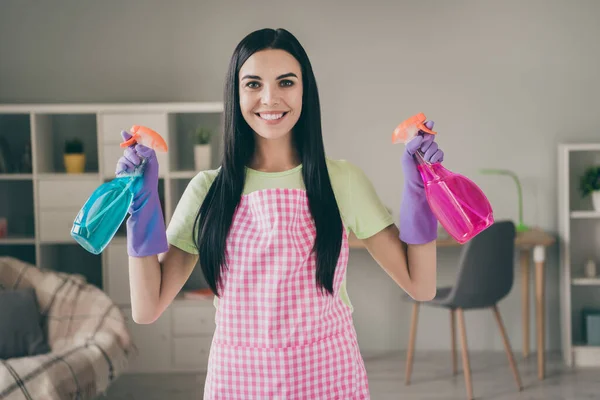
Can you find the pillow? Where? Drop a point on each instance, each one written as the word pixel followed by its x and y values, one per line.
pixel 21 333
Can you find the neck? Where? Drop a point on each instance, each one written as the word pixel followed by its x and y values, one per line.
pixel 274 155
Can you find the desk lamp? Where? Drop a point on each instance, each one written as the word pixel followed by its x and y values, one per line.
pixel 521 227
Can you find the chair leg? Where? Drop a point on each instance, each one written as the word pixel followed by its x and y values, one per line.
pixel 509 353
pixel 453 338
pixel 465 353
pixel 411 341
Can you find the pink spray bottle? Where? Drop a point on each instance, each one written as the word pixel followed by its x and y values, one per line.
pixel 457 202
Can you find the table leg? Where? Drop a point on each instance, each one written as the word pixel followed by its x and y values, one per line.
pixel 525 254
pixel 540 300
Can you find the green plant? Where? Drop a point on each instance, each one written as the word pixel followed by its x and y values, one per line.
pixel 590 181
pixel 73 146
pixel 203 135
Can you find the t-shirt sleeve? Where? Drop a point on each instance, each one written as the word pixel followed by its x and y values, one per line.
pixel 181 225
pixel 368 214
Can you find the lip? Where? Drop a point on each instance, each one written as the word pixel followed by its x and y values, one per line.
pixel 271 112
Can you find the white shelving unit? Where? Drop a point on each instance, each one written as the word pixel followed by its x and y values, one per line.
pixel 40 205
pixel 579 226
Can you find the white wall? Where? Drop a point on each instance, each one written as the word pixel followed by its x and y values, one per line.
pixel 505 81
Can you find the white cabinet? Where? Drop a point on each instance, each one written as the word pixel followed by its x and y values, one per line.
pixel 55 225
pixel 188 320
pixel 61 193
pixel 191 353
pixel 59 202
pixel 113 123
pixel 579 225
pixel 153 342
pixel 117 272
pixel 193 328
pixel 161 345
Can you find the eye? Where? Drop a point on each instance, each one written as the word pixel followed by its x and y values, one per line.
pixel 252 84
pixel 286 82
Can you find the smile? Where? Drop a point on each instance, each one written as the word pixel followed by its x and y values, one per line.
pixel 271 118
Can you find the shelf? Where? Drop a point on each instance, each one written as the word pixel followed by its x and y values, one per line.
pixel 17 239
pixel 68 177
pixel 182 128
pixel 584 243
pixel 585 158
pixel 16 177
pixel 78 108
pixel 53 130
pixel 16 205
pixel 15 144
pixel 74 259
pixel 584 299
pixel 586 356
pixel 585 214
pixel 22 251
pixel 586 281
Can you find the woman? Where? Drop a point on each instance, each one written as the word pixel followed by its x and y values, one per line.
pixel 270 228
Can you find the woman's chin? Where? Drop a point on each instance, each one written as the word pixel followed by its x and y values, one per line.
pixel 272 134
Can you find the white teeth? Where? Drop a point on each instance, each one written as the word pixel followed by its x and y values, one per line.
pixel 271 116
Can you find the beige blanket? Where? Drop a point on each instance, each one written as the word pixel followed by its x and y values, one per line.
pixel 90 342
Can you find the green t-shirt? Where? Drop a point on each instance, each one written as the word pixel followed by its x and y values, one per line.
pixel 361 208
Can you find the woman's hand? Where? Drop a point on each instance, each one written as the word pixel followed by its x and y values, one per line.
pixel 418 224
pixel 146 226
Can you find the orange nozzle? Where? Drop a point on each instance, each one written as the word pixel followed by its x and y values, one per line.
pixel 409 128
pixel 147 137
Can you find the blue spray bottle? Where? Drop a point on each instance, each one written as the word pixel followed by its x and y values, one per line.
pixel 105 210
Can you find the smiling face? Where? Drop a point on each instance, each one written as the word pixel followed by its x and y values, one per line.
pixel 270 91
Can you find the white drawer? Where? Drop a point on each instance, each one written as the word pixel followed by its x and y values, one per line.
pixel 117 267
pixel 113 123
pixel 191 352
pixel 56 225
pixel 53 193
pixel 112 153
pixel 153 342
pixel 194 320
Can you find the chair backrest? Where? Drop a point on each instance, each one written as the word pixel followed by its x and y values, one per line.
pixel 486 268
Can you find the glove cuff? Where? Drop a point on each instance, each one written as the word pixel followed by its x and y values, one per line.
pixel 146 233
pixel 418 224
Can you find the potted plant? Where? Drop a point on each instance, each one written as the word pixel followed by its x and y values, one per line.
pixel 74 157
pixel 202 153
pixel 590 185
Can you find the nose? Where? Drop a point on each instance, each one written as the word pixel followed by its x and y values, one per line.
pixel 270 95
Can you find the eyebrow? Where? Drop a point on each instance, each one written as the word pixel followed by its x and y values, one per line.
pixel 289 74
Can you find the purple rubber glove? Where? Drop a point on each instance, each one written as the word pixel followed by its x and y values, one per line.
pixel 146 234
pixel 418 224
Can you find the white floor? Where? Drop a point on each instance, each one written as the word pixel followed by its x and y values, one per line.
pixel 431 380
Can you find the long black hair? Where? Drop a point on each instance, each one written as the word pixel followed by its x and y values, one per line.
pixel 215 215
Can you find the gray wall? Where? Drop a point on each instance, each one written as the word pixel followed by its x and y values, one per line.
pixel 505 81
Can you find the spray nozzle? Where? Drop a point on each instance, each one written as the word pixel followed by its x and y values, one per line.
pixel 147 137
pixel 410 128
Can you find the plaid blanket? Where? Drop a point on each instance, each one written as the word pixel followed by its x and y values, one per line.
pixel 89 340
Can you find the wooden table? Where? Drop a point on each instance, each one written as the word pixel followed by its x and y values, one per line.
pixel 535 240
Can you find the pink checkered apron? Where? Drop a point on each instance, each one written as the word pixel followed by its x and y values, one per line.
pixel 277 335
